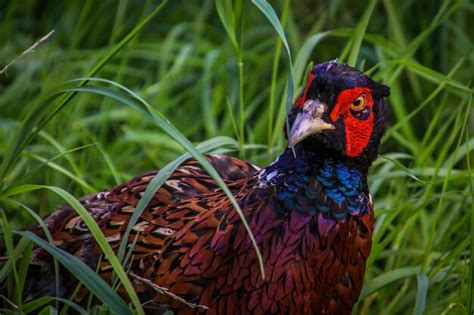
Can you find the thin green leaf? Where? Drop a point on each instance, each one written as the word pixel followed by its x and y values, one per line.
pixel 8 241
pixel 359 32
pixel 404 168
pixel 386 278
pixel 98 236
pixel 23 270
pixel 134 101
pixel 226 15
pixel 33 305
pixel 46 232
pixel 84 274
pixel 421 293
pixel 12 258
pixel 268 11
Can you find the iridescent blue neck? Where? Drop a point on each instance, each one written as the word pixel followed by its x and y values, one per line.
pixel 314 184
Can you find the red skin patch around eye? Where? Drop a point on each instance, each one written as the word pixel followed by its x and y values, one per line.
pixel 300 100
pixel 357 131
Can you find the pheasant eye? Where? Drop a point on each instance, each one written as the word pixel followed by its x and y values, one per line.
pixel 358 104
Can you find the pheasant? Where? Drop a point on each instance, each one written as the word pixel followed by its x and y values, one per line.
pixel 310 212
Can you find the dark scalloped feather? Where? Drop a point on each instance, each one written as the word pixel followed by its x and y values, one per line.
pixel 192 242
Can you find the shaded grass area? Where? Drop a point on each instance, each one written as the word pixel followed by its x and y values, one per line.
pixel 220 68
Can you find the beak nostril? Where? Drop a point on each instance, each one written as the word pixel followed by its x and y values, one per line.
pixel 309 121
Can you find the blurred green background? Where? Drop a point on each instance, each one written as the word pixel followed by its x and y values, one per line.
pixel 183 63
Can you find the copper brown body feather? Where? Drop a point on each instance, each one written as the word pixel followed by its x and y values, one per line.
pixel 191 241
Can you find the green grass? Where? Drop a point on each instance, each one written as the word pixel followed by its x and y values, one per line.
pixel 218 71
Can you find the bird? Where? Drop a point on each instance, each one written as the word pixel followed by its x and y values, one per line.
pixel 310 212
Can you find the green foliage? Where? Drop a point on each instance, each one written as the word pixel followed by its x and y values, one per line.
pixel 215 70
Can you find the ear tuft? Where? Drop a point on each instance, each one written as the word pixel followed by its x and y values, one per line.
pixel 383 90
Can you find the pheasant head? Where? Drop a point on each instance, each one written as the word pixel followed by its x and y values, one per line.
pixel 340 111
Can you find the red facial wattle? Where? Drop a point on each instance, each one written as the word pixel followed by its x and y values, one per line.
pixel 357 130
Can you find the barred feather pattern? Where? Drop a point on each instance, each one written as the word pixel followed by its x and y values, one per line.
pixel 312 220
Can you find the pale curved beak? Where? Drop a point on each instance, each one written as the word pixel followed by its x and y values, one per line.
pixel 309 122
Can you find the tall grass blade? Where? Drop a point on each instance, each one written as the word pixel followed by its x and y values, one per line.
pixel 134 101
pixel 359 32
pixel 31 306
pixel 421 293
pixel 470 282
pixel 386 278
pixel 10 250
pixel 98 236
pixel 227 17
pixel 84 274
pixel 270 14
pixel 12 257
